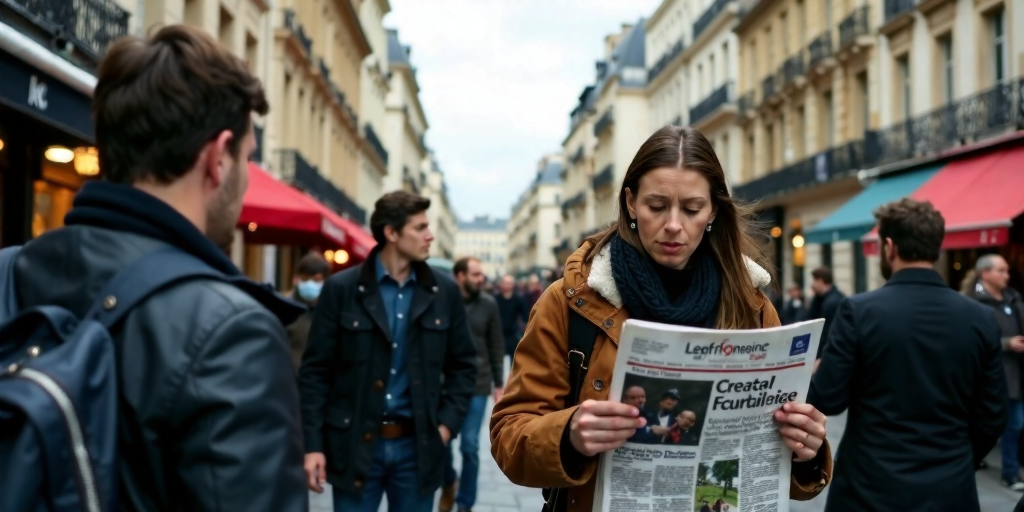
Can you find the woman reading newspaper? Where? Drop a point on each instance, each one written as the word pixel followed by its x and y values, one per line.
pixel 680 254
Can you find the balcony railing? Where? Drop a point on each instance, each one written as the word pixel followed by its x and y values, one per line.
pixel 573 202
pixel 708 16
pixel 324 70
pixel 793 68
pixel 603 178
pixel 605 122
pixel 339 96
pixel 296 29
pixel 89 25
pixel 296 169
pixel 378 147
pixel 665 58
pixel 768 87
pixel 408 178
pixel 576 157
pixel 971 119
pixel 820 49
pixel 855 25
pixel 716 99
pixel 746 103
pixel 894 8
pixel 825 166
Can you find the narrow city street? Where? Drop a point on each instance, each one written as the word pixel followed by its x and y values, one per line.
pixel 497 494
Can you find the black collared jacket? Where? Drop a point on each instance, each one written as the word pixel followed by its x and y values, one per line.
pixel 347 362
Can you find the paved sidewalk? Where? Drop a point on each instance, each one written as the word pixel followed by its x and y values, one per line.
pixel 497 494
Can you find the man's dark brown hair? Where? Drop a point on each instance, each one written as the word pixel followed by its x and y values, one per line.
pixel 394 209
pixel 461 265
pixel 159 100
pixel 915 227
pixel 822 273
pixel 313 264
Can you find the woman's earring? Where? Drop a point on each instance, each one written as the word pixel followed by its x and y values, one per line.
pixel 708 229
pixel 632 225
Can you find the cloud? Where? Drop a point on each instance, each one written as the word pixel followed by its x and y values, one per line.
pixel 498 79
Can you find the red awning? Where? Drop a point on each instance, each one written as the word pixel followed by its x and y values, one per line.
pixel 979 198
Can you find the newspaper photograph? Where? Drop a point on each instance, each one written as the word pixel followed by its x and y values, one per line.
pixel 711 443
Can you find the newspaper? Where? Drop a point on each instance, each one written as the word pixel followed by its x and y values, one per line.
pixel 711 444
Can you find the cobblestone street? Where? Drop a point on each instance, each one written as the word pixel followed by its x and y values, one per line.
pixel 497 494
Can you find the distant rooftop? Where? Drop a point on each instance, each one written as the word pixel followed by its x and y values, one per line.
pixel 397 52
pixel 550 174
pixel 483 223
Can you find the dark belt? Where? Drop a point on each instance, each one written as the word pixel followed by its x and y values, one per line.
pixel 397 427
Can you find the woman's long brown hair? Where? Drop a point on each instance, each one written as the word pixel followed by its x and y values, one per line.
pixel 685 148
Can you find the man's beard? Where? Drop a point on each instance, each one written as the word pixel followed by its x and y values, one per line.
pixel 470 291
pixel 884 265
pixel 222 213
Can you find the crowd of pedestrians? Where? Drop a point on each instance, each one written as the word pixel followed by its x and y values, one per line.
pixel 234 397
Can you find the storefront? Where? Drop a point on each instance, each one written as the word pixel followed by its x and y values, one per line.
pixel 45 149
pixel 981 198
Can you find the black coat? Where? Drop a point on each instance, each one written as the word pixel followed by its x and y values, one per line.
pixel 824 306
pixel 208 416
pixel 919 367
pixel 348 360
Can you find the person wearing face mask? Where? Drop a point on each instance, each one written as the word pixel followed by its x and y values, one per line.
pixel 310 273
pixel 678 254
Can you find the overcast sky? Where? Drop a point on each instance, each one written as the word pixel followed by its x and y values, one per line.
pixel 498 79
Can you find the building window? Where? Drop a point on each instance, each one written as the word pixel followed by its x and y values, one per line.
pixel 903 84
pixel 946 65
pixel 862 91
pixel 711 71
pixel 784 33
pixel 748 167
pixel 827 120
pixel 860 268
pixel 799 136
pixel 769 146
pixel 826 255
pixel 801 23
pixel 725 60
pixel 998 45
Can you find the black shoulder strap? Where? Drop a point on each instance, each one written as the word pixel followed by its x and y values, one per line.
pixel 144 277
pixel 582 335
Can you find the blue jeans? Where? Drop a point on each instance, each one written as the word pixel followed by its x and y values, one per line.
pixel 469 445
pixel 394 472
pixel 1011 436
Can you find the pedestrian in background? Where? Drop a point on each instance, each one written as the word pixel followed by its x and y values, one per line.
pixel 793 309
pixel 920 369
pixel 679 253
pixel 514 313
pixel 310 273
pixel 208 416
pixel 485 328
pixel 389 370
pixel 991 288
pixel 824 305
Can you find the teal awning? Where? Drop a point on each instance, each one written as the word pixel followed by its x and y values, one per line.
pixel 855 218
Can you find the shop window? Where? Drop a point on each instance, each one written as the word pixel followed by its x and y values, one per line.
pixel 53 196
pixel 826 255
pixel 860 268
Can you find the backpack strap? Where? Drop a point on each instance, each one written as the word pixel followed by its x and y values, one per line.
pixel 582 335
pixel 145 276
pixel 8 293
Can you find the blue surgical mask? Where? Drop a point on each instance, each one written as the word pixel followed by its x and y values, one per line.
pixel 310 290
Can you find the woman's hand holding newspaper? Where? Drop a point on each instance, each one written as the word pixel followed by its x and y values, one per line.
pixel 601 426
pixel 803 429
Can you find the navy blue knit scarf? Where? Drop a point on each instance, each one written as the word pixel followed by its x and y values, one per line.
pixel 644 295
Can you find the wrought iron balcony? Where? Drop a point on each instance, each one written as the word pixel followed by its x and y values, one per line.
pixel 89 25
pixel 574 201
pixel 296 29
pixel 708 16
pixel 793 68
pixel 895 8
pixel 603 178
pixel 605 122
pixel 828 165
pixel 576 157
pixel 295 169
pixel 746 103
pixel 408 178
pixel 665 58
pixel 820 49
pixel 768 87
pixel 378 147
pixel 325 71
pixel 719 97
pixel 971 119
pixel 855 25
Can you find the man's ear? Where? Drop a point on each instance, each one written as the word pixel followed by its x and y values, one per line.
pixel 215 160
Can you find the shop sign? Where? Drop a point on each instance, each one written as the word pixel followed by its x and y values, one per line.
pixel 39 95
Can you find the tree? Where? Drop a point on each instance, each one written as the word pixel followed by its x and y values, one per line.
pixel 702 474
pixel 726 471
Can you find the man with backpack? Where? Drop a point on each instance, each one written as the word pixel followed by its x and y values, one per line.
pixel 205 416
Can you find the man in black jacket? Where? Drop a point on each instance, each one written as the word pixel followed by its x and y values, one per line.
pixel 919 367
pixel 824 304
pixel 388 371
pixel 208 411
